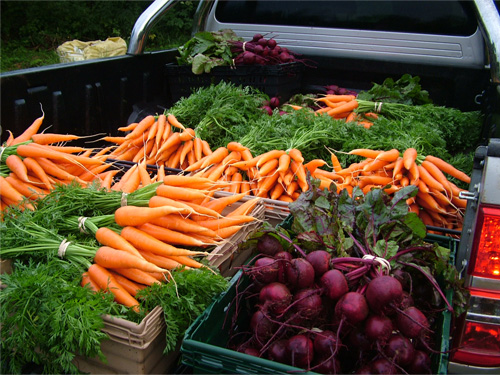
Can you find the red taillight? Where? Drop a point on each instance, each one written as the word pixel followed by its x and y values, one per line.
pixel 480 345
pixel 477 341
pixel 485 257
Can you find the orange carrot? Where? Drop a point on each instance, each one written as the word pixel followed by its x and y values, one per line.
pixel 107 282
pixel 25 188
pixel 48 138
pixel 351 117
pixel 188 261
pixel 187 135
pixel 312 165
pixel 174 139
pixel 397 170
pixel 344 108
pixel 199 210
pixel 442 199
pixel 153 130
pixel 135 215
pixel 227 232
pixel 170 236
pixel 265 157
pixel 448 168
pixel 172 120
pixel 365 152
pixel 129 285
pixel 129 127
pixel 283 163
pixel 144 174
pixel 430 202
pixel 366 124
pixel 35 150
pixel 296 154
pixel 268 168
pixel 245 187
pixel 422 186
pixel 206 148
pixel 177 223
pixel 216 172
pixel 132 181
pixel 141 127
pixel 376 180
pixel 10 192
pixel 276 191
pixel 107 237
pixel 215 157
pixel 220 203
pixel 266 185
pixel 109 257
pixel 87 280
pixel 181 193
pixel 339 98
pixel 137 275
pixel 10 138
pixel 409 157
pixel 227 221
pixel 436 173
pixel 299 170
pixel 292 188
pixel 144 241
pixel 28 133
pixel 430 180
pixel 390 155
pixel 186 148
pixel 236 180
pixel 16 166
pixel 335 162
pixel 374 165
pixel 161 261
pixel 236 146
pixel 33 166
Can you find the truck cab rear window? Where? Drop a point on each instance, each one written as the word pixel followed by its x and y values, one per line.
pixel 427 17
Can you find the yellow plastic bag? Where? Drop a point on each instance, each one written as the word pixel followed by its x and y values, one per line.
pixel 77 50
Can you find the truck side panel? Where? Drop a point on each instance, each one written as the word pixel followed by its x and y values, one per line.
pixel 87 97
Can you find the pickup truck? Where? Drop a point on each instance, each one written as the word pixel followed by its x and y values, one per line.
pixel 453 46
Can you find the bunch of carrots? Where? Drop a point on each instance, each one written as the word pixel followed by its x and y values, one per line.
pixel 342 107
pixel 182 218
pixel 34 162
pixel 437 202
pixel 161 140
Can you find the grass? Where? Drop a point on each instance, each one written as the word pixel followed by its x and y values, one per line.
pixel 15 56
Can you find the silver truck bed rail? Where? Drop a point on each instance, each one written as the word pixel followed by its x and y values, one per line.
pixel 145 22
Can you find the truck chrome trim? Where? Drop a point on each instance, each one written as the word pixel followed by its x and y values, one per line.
pixel 459 368
pixel 485 283
pixel 491 182
pixel 489 22
pixel 144 24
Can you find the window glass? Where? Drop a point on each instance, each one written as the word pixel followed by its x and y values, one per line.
pixel 423 16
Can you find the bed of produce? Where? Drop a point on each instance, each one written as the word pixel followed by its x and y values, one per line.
pixel 345 285
pixel 119 224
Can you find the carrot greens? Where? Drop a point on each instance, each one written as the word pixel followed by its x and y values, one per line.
pixel 47 317
pixel 183 300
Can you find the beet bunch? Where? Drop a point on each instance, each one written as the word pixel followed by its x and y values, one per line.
pixel 308 313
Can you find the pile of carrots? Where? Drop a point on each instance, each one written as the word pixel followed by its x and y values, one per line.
pixel 437 202
pixel 278 174
pixel 342 107
pixel 181 219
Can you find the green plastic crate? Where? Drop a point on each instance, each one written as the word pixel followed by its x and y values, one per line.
pixel 204 345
